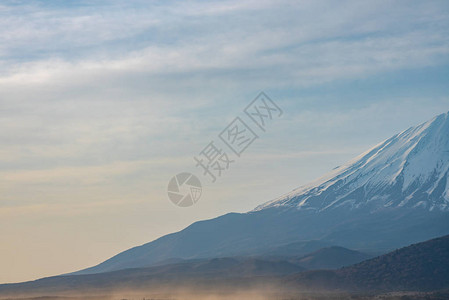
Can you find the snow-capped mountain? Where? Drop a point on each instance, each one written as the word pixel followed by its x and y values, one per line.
pixel 395 194
pixel 409 169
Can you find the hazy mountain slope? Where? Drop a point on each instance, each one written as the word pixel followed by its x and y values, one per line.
pixel 393 195
pixel 419 267
pixel 210 271
pixel 330 258
pixel 255 233
pixel 296 248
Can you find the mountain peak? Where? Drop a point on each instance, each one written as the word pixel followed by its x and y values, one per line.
pixel 409 169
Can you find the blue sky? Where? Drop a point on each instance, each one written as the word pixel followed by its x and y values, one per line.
pixel 101 102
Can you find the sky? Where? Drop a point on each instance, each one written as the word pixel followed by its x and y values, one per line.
pixel 102 102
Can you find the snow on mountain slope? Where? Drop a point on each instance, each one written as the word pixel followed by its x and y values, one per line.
pixel 408 170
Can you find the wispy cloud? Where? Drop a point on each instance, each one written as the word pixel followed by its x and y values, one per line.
pixel 97 83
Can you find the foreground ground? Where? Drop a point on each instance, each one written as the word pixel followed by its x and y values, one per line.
pixel 442 295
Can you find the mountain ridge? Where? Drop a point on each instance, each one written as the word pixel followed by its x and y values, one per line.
pixel 422 266
pixel 374 203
